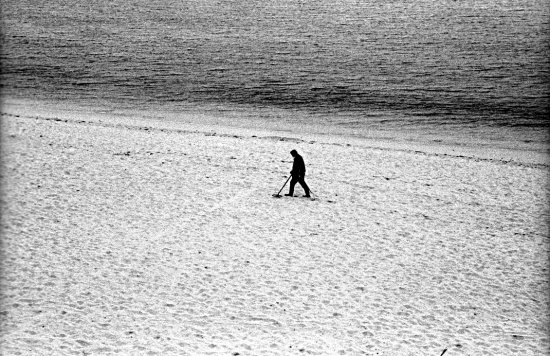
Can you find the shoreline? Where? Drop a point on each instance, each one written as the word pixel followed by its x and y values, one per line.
pixel 533 153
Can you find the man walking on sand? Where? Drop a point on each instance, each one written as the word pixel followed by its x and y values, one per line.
pixel 298 174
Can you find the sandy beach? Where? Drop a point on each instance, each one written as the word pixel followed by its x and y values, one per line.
pixel 130 237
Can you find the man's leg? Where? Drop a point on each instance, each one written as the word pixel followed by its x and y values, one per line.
pixel 304 185
pixel 293 182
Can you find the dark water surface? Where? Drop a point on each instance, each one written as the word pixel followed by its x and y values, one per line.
pixel 472 62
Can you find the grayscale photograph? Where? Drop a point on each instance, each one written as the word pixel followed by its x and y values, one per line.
pixel 275 177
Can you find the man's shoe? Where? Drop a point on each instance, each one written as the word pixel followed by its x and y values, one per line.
pixel 307 196
pixel 289 195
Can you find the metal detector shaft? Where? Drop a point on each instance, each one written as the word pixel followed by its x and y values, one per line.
pixel 282 187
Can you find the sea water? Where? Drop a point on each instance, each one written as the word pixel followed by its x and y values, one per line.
pixel 394 63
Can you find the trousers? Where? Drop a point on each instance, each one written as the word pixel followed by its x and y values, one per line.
pixel 298 179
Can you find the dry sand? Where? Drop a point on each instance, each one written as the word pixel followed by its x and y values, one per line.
pixel 143 238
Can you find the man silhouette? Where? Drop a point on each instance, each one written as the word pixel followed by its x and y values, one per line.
pixel 298 174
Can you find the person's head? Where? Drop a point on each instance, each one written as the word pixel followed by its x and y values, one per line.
pixel 293 153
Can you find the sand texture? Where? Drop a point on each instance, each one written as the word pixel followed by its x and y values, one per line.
pixel 135 239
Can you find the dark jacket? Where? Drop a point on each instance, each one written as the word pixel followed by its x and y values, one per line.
pixel 298 167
